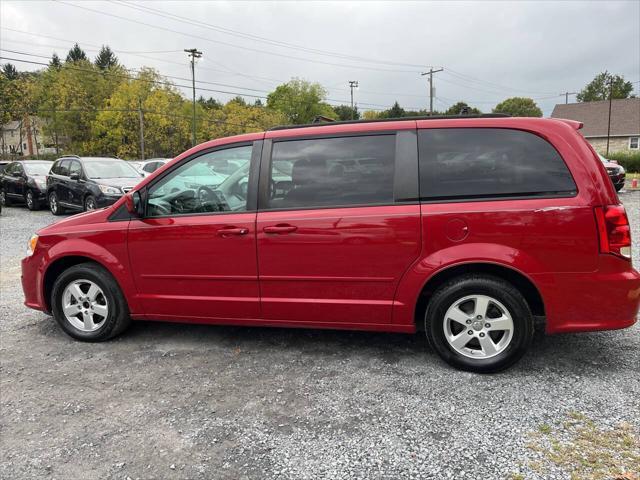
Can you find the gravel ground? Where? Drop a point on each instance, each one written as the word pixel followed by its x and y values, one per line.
pixel 185 401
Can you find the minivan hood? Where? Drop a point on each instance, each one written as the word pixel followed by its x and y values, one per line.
pixel 70 223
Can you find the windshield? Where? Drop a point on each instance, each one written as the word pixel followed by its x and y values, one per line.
pixel 36 169
pixel 602 159
pixel 110 169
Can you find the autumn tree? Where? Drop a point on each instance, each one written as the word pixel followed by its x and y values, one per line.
pixel 345 112
pixel 604 84
pixel 518 107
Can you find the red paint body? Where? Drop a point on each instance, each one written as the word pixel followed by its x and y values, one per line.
pixel 358 267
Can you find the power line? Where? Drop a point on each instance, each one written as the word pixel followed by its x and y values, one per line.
pixel 199 37
pixel 278 43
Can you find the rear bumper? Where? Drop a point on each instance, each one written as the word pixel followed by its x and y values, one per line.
pixel 608 299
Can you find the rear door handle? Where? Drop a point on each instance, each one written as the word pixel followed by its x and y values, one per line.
pixel 279 229
pixel 229 231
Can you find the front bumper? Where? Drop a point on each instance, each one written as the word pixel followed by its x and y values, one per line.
pixel 32 282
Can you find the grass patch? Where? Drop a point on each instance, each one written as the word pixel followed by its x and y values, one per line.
pixel 586 451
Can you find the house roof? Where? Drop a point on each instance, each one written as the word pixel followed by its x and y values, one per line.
pixel 625 116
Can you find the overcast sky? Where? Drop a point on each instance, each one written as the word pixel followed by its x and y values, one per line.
pixel 489 50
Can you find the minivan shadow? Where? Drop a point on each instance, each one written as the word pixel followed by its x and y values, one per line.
pixel 587 353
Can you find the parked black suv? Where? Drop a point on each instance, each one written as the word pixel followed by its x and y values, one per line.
pixel 24 181
pixel 87 183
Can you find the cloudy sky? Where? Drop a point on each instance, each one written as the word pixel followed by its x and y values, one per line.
pixel 488 50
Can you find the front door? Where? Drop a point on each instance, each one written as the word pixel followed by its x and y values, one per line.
pixel 193 254
pixel 339 224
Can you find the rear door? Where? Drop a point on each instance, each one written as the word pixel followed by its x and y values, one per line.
pixel 338 224
pixel 193 254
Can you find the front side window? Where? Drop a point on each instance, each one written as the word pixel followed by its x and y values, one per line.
pixel 75 167
pixel 489 162
pixel 332 172
pixel 63 168
pixel 199 186
pixel 634 143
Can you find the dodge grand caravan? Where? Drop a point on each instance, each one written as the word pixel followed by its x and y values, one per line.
pixel 470 230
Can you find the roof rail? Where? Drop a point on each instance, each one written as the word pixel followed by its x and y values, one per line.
pixel 381 120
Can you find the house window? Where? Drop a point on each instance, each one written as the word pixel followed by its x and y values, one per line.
pixel 634 142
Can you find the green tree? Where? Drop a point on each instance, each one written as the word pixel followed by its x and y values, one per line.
pixel 76 54
pixel 300 101
pixel 106 58
pixel 462 108
pixel 518 107
pixel 345 112
pixel 55 61
pixel 603 84
pixel 396 111
pixel 10 71
pixel 209 103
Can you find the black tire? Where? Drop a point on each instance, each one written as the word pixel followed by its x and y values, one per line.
pixel 31 199
pixel 117 319
pixel 4 200
pixel 90 203
pixel 618 187
pixel 54 204
pixel 468 285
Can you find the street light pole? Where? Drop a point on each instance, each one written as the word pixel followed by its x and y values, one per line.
pixel 193 53
pixel 352 84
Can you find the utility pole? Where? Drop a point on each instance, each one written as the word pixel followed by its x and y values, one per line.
pixel 430 73
pixel 352 84
pixel 141 119
pixel 566 96
pixel 609 121
pixel 193 53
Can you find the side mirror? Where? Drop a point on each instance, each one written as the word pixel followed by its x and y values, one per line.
pixel 75 176
pixel 133 203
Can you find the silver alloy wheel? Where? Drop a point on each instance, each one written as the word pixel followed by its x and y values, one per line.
pixel 90 204
pixel 2 197
pixel 30 199
pixel 84 305
pixel 53 202
pixel 478 326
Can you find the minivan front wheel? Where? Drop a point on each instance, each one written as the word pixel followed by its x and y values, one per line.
pixel 88 303
pixel 479 323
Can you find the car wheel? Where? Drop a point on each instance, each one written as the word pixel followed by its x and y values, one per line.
pixel 479 323
pixel 618 187
pixel 4 199
pixel 88 303
pixel 31 201
pixel 54 206
pixel 89 203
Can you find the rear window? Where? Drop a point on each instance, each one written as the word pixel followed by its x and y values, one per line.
pixel 489 162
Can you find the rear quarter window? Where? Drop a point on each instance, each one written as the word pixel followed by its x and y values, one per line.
pixel 460 163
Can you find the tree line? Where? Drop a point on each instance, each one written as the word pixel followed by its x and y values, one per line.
pixel 99 107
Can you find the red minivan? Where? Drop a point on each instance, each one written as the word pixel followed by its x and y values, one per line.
pixel 471 230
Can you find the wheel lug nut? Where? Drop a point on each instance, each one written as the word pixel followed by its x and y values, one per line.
pixel 487 325
pixel 479 317
pixel 468 322
pixel 470 332
pixel 482 334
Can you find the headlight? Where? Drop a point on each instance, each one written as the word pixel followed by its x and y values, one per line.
pixel 109 190
pixel 31 246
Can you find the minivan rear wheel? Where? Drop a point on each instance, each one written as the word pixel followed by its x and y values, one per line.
pixel 479 323
pixel 88 304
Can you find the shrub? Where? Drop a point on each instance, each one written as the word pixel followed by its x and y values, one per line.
pixel 629 160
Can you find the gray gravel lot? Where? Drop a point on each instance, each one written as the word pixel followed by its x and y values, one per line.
pixel 184 401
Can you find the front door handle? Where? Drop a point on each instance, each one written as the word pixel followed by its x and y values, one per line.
pixel 279 229
pixel 229 231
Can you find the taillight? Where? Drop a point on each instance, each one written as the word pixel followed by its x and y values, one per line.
pixel 613 230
